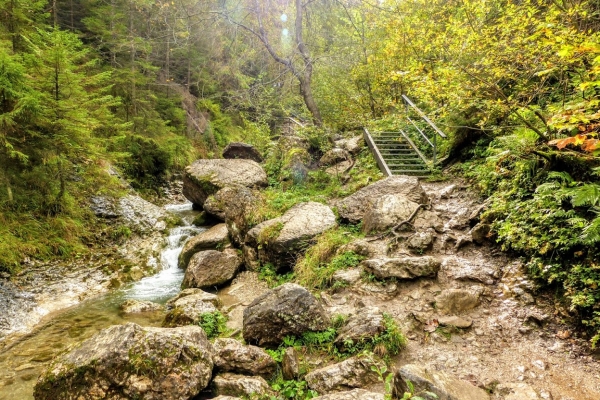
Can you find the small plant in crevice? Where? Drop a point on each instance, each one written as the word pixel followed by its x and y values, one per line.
pixel 214 324
pixel 412 394
pixel 269 274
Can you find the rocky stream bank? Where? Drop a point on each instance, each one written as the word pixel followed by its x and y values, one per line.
pixel 475 327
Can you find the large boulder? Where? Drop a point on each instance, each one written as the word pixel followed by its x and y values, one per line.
pixel 214 238
pixel 367 323
pixel 129 361
pixel 352 373
pixel 334 156
pixel 206 177
pixel 356 394
pixel 278 240
pixel 238 204
pixel 354 145
pixel 402 267
pixel 387 212
pixel 286 310
pixel 240 385
pixel 188 310
pixel 233 356
pixel 238 150
pixel 446 387
pixel 354 208
pixel 211 268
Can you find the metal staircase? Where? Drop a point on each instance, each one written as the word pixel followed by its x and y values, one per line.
pixel 397 154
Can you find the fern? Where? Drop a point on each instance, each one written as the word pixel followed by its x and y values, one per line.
pixel 591 233
pixel 586 195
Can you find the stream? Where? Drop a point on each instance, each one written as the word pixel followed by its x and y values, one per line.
pixel 23 361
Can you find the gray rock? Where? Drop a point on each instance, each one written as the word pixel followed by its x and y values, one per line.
pixel 238 204
pixel 446 387
pixel 421 241
pixel 354 208
pixel 198 294
pixel 366 248
pixel 480 233
pixel 104 207
pixel 290 364
pixel 516 391
pixel 427 219
pixel 402 267
pixel 356 394
pixel 206 177
pixel 339 168
pixel 235 150
pixel 286 310
pixel 141 214
pixel 334 156
pixel 446 192
pixel 347 276
pixel 367 323
pixel 464 269
pixel 453 301
pixel 130 361
pixel 354 372
pixel 232 356
pixel 132 306
pixel 387 212
pixel 211 268
pixel 188 310
pixel 239 385
pixel 215 237
pixel 278 240
pixel 353 145
pixel 453 320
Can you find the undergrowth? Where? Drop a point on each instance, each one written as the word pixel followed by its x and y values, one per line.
pixel 214 324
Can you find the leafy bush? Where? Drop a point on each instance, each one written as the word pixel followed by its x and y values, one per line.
pixel 214 324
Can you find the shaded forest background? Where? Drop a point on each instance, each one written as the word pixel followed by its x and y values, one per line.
pixel 94 88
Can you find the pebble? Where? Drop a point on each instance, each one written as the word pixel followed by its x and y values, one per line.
pixel 539 364
pixel 546 395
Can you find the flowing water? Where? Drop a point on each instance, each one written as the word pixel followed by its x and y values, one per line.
pixel 23 361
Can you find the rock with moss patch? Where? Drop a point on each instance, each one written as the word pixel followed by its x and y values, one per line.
pixel 211 268
pixel 239 150
pixel 198 294
pixel 188 310
pixel 213 238
pixel 402 267
pixel 354 372
pixel 334 156
pixel 446 387
pixel 286 310
pixel 355 207
pixel 278 240
pixel 238 205
pixel 290 364
pixel 233 356
pixel 206 177
pixel 356 394
pixel 130 361
pixel 354 144
pixel 132 306
pixel 367 323
pixel 240 385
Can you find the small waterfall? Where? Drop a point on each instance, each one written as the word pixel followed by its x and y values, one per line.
pixel 166 283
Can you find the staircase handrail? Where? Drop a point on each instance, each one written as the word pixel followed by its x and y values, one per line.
pixel 378 157
pixel 424 117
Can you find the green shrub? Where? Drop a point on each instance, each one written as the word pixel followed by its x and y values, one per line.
pixel 214 324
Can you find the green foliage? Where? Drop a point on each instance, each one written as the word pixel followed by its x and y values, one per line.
pixel 147 163
pixel 268 273
pixel 214 324
pixel 412 394
pixel 294 390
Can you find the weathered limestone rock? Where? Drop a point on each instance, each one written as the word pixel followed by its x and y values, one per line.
pixel 226 398
pixel 198 294
pixel 278 240
pixel 464 269
pixel 366 248
pixel 339 168
pixel 365 324
pixel 240 385
pixel 215 237
pixel 402 267
pixel 187 310
pixel 456 301
pixel 480 233
pixel 211 268
pixel 354 372
pixel 232 356
pixel 290 364
pixel 387 212
pixel 453 320
pixel 206 177
pixel 130 361
pixel 142 214
pixel 104 207
pixel 238 205
pixel 421 241
pixel 354 145
pixel 516 391
pixel 139 306
pixel 354 208
pixel 356 394
pixel 286 310
pixel 235 150
pixel 334 156
pixel 426 219
pixel 347 276
pixel 443 385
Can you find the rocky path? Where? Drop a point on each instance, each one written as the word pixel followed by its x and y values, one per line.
pixel 479 320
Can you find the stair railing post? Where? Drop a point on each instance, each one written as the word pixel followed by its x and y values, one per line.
pixel 434 149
